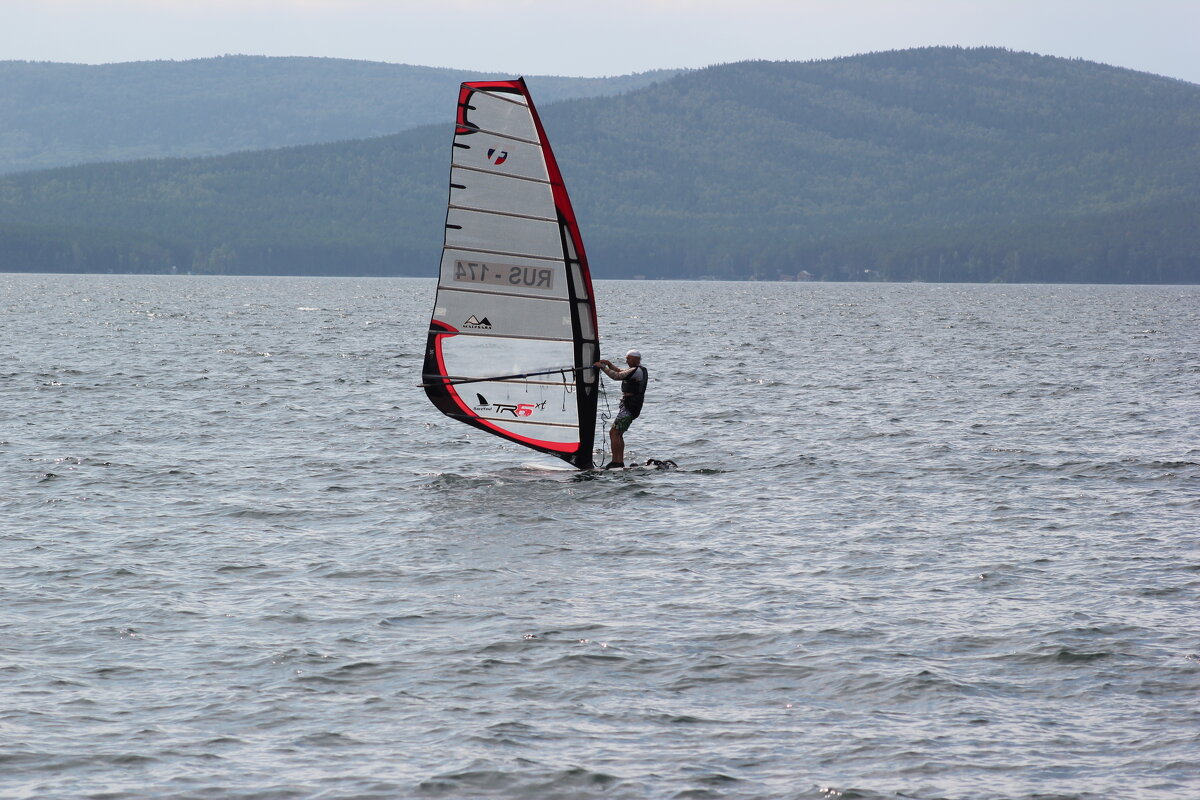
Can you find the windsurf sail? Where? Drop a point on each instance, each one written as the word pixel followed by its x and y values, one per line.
pixel 513 335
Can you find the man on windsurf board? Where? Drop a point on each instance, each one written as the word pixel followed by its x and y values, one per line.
pixel 633 392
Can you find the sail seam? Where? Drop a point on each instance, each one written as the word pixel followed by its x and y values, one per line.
pixel 500 96
pixel 461 248
pixel 502 213
pixel 502 294
pixel 522 381
pixel 515 336
pixel 511 421
pixel 508 136
pixel 500 174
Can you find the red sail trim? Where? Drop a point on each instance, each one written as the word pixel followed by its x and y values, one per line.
pixel 561 200
pixel 464 93
pixel 558 447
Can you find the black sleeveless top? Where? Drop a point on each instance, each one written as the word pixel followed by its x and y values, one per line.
pixel 634 389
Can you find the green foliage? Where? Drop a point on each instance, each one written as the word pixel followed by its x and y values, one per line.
pixel 60 114
pixel 940 164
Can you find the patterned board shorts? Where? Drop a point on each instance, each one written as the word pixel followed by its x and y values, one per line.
pixel 624 419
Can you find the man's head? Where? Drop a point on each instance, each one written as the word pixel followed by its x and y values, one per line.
pixel 633 358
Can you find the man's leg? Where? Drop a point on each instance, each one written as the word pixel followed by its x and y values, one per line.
pixel 617 439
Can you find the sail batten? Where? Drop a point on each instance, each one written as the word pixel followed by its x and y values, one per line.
pixel 521 338
pixel 483 171
pixel 506 253
pixel 494 95
pixel 507 421
pixel 511 294
pixel 512 214
pixel 502 135
pixel 514 291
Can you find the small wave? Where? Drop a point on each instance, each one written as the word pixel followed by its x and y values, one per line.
pixel 605 659
pixel 521 782
pixel 327 739
pixel 1056 654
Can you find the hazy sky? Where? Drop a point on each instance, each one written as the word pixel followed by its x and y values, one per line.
pixel 582 37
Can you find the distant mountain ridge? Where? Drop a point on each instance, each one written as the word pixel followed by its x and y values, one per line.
pixel 940 164
pixel 54 114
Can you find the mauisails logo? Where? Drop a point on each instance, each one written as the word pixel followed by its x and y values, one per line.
pixel 497 157
pixel 516 409
pixel 476 322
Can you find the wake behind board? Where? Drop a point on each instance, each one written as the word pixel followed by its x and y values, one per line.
pixel 532 467
pixel 648 464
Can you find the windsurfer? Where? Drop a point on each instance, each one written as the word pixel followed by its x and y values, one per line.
pixel 633 391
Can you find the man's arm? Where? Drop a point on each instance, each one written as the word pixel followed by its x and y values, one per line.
pixel 610 369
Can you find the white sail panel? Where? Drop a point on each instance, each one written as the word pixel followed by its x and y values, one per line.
pixel 562 434
pixel 501 112
pixel 579 283
pixel 541 407
pixel 488 191
pixel 482 356
pixel 505 274
pixel 486 152
pixel 476 314
pixel 515 406
pixel 486 231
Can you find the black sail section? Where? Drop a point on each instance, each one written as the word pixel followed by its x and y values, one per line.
pixel 513 334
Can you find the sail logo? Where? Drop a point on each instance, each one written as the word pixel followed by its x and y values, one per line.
pixel 519 409
pixel 497 157
pixel 476 322
pixel 516 409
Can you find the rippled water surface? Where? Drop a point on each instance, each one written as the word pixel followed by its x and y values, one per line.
pixel 923 541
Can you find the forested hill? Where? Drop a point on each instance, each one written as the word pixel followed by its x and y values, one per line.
pixel 62 114
pixel 934 164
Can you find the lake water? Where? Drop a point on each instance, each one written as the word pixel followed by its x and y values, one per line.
pixel 930 541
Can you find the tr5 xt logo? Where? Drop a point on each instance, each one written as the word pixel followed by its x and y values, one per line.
pixel 516 409
pixel 520 409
